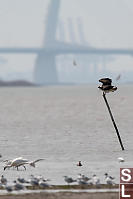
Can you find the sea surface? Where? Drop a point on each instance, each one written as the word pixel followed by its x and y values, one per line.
pixel 64 125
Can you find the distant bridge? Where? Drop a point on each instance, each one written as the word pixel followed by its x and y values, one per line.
pixel 45 67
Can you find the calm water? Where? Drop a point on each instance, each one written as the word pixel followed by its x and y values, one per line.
pixel 64 125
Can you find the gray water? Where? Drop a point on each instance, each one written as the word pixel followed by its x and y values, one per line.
pixel 65 124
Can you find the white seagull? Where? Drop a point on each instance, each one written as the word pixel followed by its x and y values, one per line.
pixel 120 159
pixel 95 180
pixel 3 180
pixel 109 179
pixel 69 180
pixel 20 162
pixel 16 163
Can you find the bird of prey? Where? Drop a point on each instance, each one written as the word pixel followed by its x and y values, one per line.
pixel 105 81
pixel 107 88
pixel 106 85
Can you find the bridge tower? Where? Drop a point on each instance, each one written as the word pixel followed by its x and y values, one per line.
pixel 45 66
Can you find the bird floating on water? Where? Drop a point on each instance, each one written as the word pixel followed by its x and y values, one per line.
pixel 79 164
pixel 106 85
pixel 120 159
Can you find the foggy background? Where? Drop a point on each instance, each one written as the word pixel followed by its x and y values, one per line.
pixel 99 24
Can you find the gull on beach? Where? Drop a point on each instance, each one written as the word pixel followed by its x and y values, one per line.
pixel 83 177
pixel 22 180
pixel 120 159
pixel 69 180
pixel 82 182
pixel 18 186
pixel 95 180
pixel 9 188
pixel 43 184
pixel 109 179
pixel 3 180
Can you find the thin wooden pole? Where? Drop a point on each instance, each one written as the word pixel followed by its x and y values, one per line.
pixel 118 135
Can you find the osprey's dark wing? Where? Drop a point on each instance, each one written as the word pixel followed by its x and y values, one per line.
pixel 106 81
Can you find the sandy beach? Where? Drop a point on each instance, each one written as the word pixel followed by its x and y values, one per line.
pixel 64 195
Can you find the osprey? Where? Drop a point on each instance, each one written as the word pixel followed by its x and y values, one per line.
pixel 106 85
pixel 105 81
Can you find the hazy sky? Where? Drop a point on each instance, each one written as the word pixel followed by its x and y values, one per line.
pixel 106 23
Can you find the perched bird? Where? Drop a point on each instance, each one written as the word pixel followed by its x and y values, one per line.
pixel 95 180
pixel 22 180
pixel 43 184
pixel 69 180
pixel 79 164
pixel 106 85
pixel 82 182
pixel 107 88
pixel 120 159
pixel 109 179
pixel 9 188
pixel 105 81
pixel 83 177
pixel 18 186
pixel 3 180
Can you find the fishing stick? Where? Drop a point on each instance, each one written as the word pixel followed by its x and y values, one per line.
pixel 118 135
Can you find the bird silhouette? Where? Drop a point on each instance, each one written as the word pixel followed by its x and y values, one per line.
pixel 106 85
pixel 79 164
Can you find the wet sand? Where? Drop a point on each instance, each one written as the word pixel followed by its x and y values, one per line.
pixel 64 195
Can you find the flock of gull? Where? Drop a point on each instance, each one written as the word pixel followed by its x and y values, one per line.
pixel 41 182
pixel 94 180
pixel 22 184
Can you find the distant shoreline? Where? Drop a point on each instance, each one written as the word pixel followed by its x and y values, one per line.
pixel 16 83
pixel 24 83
